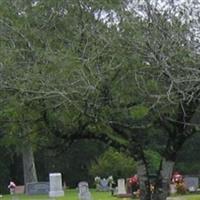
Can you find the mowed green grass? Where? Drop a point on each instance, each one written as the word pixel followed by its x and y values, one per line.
pixel 72 194
pixel 191 197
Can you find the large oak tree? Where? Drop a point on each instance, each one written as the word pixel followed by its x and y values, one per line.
pixel 116 68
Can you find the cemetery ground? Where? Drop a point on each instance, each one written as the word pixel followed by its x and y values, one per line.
pixel 72 194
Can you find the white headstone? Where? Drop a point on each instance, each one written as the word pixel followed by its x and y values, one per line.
pixel 55 181
pixel 121 186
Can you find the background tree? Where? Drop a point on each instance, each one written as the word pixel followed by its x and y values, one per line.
pixel 113 163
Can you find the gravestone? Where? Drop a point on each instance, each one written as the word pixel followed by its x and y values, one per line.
pixel 104 185
pixel 191 183
pixel 56 189
pixel 173 189
pixel 19 189
pixel 35 188
pixel 84 193
pixel 121 188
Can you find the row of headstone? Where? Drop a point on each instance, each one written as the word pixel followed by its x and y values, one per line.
pixel 84 193
pixel 53 187
pixel 103 184
pixel 191 184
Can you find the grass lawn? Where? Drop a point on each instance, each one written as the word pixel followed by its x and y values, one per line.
pixel 191 197
pixel 72 194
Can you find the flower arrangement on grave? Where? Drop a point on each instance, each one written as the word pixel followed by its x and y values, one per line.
pixel 181 188
pixel 12 187
pixel 133 184
pixel 134 180
pixel 110 180
pixel 111 183
pixel 97 179
pixel 178 180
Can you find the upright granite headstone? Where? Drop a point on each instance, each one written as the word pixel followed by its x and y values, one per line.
pixel 84 193
pixel 191 183
pixel 104 185
pixel 121 186
pixel 37 188
pixel 55 181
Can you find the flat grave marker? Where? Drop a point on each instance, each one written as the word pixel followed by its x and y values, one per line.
pixel 191 183
pixel 37 188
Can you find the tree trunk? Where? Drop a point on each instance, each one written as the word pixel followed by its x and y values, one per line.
pixel 28 164
pixel 162 187
pixel 143 176
pixel 142 169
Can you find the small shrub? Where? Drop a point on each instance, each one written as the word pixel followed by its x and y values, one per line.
pixel 113 163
